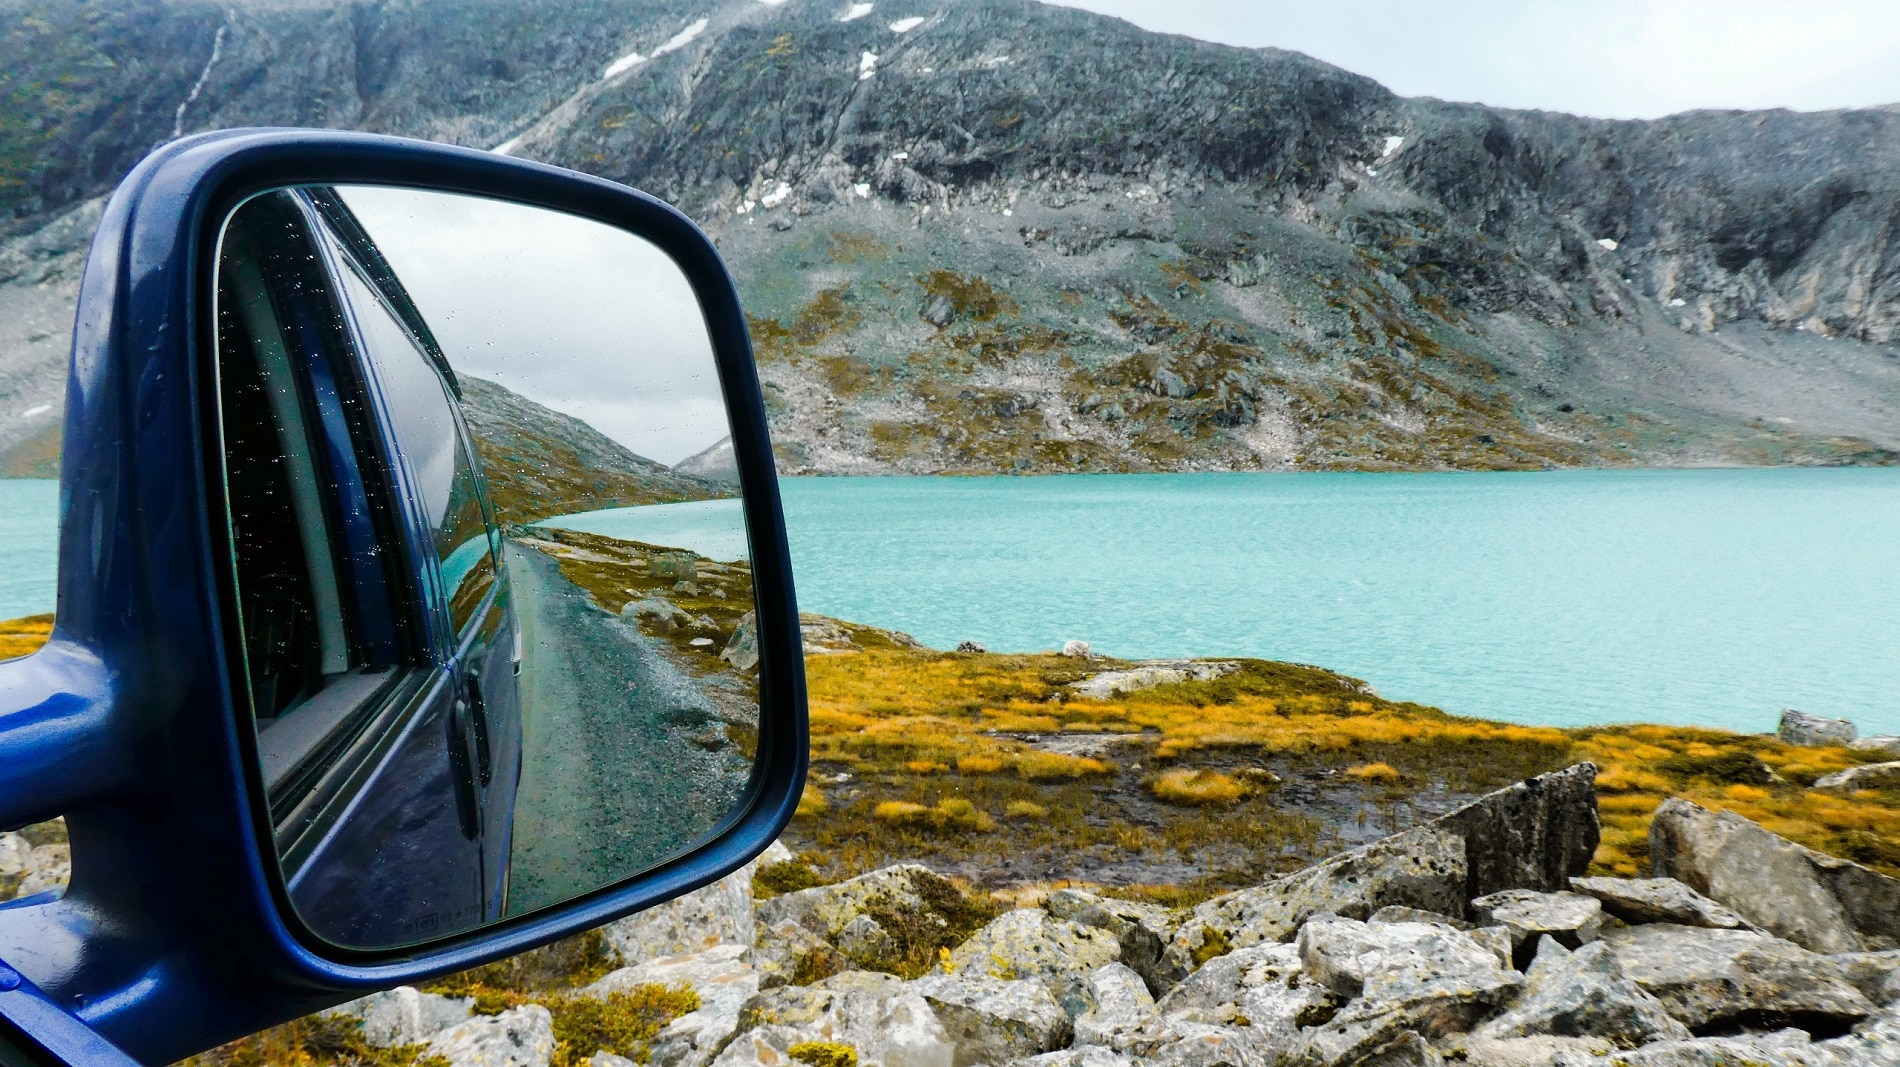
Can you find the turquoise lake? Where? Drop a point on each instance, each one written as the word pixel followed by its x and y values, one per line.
pixel 1713 597
pixel 1702 597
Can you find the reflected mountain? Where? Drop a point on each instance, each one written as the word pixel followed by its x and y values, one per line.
pixel 716 464
pixel 541 463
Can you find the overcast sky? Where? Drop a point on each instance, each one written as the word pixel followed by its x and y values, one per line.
pixel 1607 58
pixel 572 314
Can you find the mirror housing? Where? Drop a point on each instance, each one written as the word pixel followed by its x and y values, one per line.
pixel 173 936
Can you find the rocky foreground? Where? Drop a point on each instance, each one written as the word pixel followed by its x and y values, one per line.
pixel 1470 939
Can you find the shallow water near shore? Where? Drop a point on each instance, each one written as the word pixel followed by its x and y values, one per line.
pixel 1712 597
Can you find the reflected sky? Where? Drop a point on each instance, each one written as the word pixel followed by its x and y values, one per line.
pixel 575 315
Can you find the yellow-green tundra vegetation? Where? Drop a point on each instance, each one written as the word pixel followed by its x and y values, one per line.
pixel 990 768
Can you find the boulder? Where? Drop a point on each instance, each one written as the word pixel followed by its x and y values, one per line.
pixel 784 952
pixel 1142 930
pixel 1875 974
pixel 725 983
pixel 1110 684
pixel 1865 776
pixel 717 914
pixel 1406 1050
pixel 1800 728
pixel 1879 743
pixel 1819 902
pixel 906 890
pixel 994 1020
pixel 1536 834
pixel 888 1025
pixel 1572 919
pixel 1584 995
pixel 1118 1004
pixel 405 1015
pixel 1422 977
pixel 518 1037
pixel 1658 900
pixel 1422 868
pixel 863 938
pixel 1191 1044
pixel 1262 988
pixel 657 613
pixel 1031 943
pixel 1710 979
pixel 1534 1051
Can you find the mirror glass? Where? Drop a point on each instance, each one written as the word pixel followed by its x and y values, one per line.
pixel 489 555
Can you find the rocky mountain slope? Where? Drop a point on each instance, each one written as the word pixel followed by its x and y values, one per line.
pixel 995 235
pixel 539 462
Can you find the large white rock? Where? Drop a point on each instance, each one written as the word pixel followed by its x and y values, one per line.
pixel 1031 943
pixel 1708 979
pixel 717 914
pixel 1801 728
pixel 995 1020
pixel 405 1015
pixel 1820 902
pixel 1422 977
pixel 1573 919
pixel 1865 776
pixel 1658 900
pixel 1265 985
pixel 1083 1056
pixel 1119 1005
pixel 1535 1051
pixel 1584 995
pixel 518 1037
pixel 888 1025
pixel 1142 930
pixel 721 976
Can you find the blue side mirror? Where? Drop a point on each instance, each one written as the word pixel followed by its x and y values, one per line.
pixel 423 597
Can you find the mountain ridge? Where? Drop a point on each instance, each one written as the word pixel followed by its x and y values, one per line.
pixel 1130 250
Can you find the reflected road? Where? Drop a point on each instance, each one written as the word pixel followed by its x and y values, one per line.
pixel 624 761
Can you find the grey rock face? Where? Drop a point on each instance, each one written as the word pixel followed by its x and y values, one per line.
pixel 1141 930
pixel 1532 835
pixel 405 1015
pixel 1572 919
pixel 1709 979
pixel 1119 1004
pixel 1418 977
pixel 1422 868
pixel 1259 993
pixel 888 1024
pixel 1584 995
pixel 1878 743
pixel 518 1037
pixel 1865 776
pixel 1800 728
pixel 1031 943
pixel 992 1020
pixel 1395 913
pixel 718 914
pixel 1820 902
pixel 1875 974
pixel 1658 900
pixel 1535 1051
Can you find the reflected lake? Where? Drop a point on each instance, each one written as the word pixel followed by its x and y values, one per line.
pixel 1698 597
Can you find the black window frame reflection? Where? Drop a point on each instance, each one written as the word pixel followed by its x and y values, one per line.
pixel 392 633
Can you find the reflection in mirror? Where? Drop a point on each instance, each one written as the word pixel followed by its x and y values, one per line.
pixel 489 556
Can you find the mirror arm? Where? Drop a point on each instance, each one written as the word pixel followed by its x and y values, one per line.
pixel 58 740
pixel 41 1030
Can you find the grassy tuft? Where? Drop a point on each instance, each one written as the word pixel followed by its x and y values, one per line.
pixel 824 1054
pixel 780 878
pixel 1197 787
pixel 1375 772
